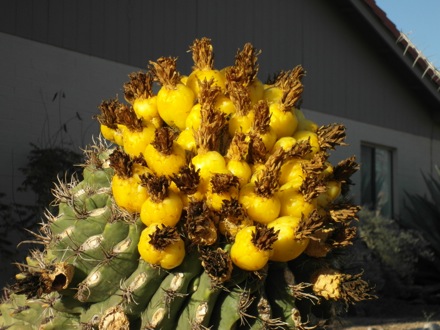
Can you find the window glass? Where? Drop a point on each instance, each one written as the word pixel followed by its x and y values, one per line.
pixel 377 179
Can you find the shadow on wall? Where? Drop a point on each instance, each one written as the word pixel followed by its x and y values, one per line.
pixel 53 159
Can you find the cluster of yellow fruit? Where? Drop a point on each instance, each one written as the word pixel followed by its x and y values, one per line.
pixel 218 157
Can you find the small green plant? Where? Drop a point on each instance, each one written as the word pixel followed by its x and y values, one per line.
pixel 51 159
pixel 423 215
pixel 396 250
pixel 423 212
pixel 44 168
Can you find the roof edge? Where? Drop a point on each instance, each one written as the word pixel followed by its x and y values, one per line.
pixel 418 59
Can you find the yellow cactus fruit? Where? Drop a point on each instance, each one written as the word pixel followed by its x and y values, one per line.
pixel 287 246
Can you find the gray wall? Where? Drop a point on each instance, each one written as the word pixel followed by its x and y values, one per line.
pixel 31 74
pixel 412 155
pixel 347 76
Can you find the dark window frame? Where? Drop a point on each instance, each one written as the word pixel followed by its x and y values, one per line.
pixel 370 194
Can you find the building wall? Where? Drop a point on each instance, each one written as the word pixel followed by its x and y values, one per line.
pixel 347 74
pixel 413 155
pixel 32 74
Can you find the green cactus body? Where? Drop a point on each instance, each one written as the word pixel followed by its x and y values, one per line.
pixel 98 177
pixel 103 280
pixel 81 242
pixel 200 305
pixel 132 295
pixel 231 310
pixel 60 320
pixel 68 304
pixel 280 294
pixel 69 226
pixel 27 311
pixel 164 306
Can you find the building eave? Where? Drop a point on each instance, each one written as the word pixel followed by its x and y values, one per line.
pixel 417 71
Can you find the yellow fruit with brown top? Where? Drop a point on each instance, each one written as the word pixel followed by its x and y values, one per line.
pixel 287 246
pixel 293 203
pixel 252 247
pixel 164 156
pixel 174 99
pixel 127 189
pixel 260 208
pixel 163 205
pixel 139 93
pixel 162 246
pixel 203 57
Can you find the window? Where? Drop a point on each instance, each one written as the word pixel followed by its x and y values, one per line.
pixel 377 179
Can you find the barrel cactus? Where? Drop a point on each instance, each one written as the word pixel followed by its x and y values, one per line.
pixel 210 204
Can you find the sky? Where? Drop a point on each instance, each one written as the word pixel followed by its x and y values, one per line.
pixel 420 21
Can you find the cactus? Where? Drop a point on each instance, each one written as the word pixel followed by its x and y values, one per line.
pixel 212 204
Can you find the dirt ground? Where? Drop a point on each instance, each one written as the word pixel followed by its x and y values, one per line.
pixel 386 314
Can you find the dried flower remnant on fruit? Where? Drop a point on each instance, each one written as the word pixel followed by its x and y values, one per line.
pixel 315 166
pixel 238 148
pixel 222 182
pixel 208 93
pixel 333 285
pixel 200 226
pixel 263 237
pixel 239 97
pixel 213 125
pixel 311 187
pixel 232 208
pixel 261 122
pixel 165 72
pixel 217 264
pixel 121 163
pixel 245 69
pixel 267 183
pixel 342 236
pixel 108 117
pixel 127 117
pixel 163 140
pixel 140 86
pixel 202 54
pixel 309 225
pixel 330 136
pixel 157 186
pixel 290 83
pixel 188 179
pixel 313 184
pixel 299 150
pixel 345 169
pixel 163 236
pixel 344 212
pixel 256 149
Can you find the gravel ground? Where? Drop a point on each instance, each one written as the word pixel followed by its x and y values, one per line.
pixel 387 314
